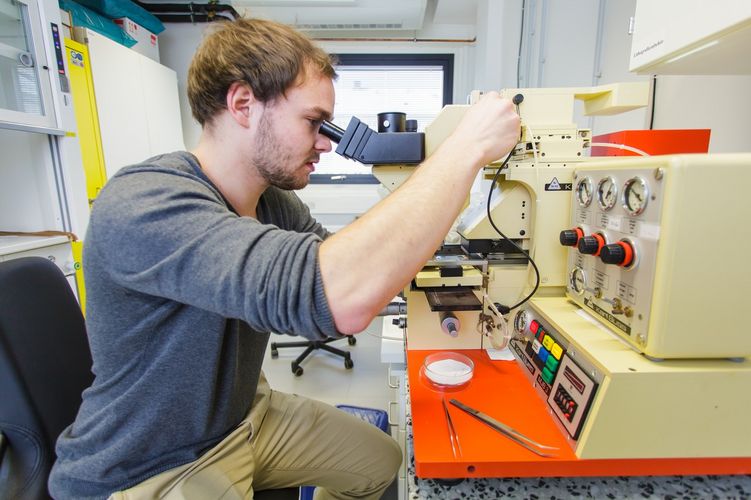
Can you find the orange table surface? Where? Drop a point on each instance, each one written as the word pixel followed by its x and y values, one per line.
pixel 500 390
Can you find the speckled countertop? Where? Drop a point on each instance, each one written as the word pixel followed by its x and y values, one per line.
pixel 667 487
pixel 618 487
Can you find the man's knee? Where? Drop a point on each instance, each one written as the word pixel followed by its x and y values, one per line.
pixel 391 454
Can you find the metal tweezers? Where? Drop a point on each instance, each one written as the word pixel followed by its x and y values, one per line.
pixel 504 429
pixel 453 436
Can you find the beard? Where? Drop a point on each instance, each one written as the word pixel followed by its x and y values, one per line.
pixel 274 162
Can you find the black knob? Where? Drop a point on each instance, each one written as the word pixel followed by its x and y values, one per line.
pixel 569 237
pixel 612 254
pixel 411 125
pixel 589 245
pixel 620 254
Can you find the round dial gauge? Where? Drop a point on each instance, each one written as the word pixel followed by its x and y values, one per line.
pixel 635 195
pixel 577 280
pixel 521 320
pixel 584 191
pixel 607 193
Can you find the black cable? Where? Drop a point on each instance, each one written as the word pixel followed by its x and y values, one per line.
pixel 490 219
pixel 652 111
pixel 521 41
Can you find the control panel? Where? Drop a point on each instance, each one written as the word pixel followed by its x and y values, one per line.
pixel 558 379
pixel 614 238
pixel 656 252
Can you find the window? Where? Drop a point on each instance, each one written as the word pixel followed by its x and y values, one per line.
pixel 418 85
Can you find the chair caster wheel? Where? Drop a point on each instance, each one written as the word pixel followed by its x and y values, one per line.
pixel 297 370
pixel 348 363
pixel 351 340
pixel 274 353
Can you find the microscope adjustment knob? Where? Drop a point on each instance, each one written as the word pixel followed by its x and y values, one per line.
pixel 620 254
pixel 591 245
pixel 570 237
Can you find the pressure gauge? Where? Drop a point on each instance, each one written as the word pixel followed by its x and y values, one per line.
pixel 607 193
pixel 635 195
pixel 577 280
pixel 584 191
pixel 521 320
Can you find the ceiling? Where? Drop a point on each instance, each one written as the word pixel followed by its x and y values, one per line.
pixel 361 14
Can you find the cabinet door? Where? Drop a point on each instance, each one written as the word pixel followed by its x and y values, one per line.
pixel 138 108
pixel 163 123
pixel 25 89
pixel 120 102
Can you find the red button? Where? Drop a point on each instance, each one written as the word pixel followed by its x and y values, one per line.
pixel 534 326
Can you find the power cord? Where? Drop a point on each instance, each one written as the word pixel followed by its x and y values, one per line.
pixel 516 100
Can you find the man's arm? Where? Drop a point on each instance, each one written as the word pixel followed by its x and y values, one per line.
pixel 365 264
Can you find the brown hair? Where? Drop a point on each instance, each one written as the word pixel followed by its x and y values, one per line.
pixel 266 55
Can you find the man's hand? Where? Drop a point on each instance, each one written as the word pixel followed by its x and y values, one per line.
pixel 488 130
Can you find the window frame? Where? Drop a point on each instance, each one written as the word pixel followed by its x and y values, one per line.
pixel 445 60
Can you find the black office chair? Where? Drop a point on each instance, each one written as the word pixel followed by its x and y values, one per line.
pixel 312 345
pixel 45 364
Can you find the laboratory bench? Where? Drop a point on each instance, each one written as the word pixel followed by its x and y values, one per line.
pixel 664 487
pixel 412 487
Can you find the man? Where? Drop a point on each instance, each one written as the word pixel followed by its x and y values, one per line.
pixel 192 258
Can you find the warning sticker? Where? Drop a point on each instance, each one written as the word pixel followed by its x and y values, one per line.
pixel 554 185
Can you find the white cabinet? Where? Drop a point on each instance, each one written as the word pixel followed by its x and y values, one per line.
pixel 40 164
pixel 26 74
pixel 137 103
pixel 691 37
pixel 393 353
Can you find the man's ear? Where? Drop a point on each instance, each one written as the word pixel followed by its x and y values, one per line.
pixel 240 101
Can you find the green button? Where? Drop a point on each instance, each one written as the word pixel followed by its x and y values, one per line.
pixel 552 364
pixel 547 375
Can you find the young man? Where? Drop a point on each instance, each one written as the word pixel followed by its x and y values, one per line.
pixel 193 257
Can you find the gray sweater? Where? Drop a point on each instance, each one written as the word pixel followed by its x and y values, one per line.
pixel 181 295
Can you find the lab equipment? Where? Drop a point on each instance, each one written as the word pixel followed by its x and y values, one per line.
pixel 603 267
pixel 658 262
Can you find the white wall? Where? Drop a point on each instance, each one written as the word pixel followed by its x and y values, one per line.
pixel 720 103
pixel 177 44
pixel 560 49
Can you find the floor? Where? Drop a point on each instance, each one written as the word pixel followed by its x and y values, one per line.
pixel 326 379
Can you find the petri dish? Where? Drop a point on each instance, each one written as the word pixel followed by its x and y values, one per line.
pixel 448 369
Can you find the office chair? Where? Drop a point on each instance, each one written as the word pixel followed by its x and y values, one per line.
pixel 45 364
pixel 313 345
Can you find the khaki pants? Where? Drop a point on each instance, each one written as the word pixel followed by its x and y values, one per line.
pixel 297 441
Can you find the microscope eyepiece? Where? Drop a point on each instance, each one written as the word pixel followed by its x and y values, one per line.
pixel 331 131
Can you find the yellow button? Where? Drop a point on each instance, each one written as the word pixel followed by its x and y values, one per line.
pixel 548 342
pixel 557 351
